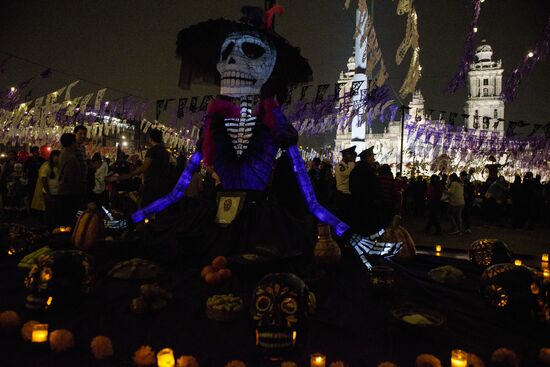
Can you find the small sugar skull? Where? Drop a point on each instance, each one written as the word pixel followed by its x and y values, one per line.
pixel 246 63
pixel 280 307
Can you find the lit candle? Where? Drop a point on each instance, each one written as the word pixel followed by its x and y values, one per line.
pixel 438 248
pixel 165 358
pixel 546 273
pixel 318 360
pixel 459 358
pixel 545 258
pixel 517 262
pixel 40 333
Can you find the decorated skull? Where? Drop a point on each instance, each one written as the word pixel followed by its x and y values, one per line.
pixel 509 286
pixel 487 252
pixel 280 307
pixel 246 63
pixel 58 276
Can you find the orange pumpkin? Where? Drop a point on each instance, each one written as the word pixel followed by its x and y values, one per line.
pixel 89 228
pixel 397 233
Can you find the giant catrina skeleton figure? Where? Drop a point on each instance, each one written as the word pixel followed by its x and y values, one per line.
pixel 240 141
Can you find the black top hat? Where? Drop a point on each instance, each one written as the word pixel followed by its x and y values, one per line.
pixel 348 150
pixel 199 46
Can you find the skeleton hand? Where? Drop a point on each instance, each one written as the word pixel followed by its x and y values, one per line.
pixel 370 246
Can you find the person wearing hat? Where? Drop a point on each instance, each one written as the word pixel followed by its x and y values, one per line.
pixel 365 194
pixel 344 169
pixel 342 173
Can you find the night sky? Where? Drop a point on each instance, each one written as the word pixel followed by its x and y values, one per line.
pixel 130 45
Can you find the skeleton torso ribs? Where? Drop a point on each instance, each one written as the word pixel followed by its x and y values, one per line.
pixel 244 146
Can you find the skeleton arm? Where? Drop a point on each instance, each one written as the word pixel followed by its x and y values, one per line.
pixel 363 245
pixel 177 192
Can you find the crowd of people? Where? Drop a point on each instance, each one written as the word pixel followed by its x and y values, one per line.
pixel 54 188
pixel 365 194
pixel 368 196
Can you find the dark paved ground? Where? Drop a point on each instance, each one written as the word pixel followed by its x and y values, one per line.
pixel 521 241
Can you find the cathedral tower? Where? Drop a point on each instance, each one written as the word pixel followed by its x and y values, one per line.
pixel 484 104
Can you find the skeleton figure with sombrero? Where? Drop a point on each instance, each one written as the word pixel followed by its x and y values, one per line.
pixel 239 140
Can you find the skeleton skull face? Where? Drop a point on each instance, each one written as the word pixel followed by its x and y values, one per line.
pixel 280 307
pixel 246 62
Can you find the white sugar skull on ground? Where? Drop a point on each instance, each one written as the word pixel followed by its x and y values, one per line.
pixel 246 63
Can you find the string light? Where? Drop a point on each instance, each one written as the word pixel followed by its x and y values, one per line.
pixel 530 54
pixel 475 29
pixel 12 89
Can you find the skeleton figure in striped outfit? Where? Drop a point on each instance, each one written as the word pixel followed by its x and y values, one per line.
pixel 241 143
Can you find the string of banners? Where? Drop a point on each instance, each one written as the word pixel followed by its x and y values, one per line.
pixel 428 139
pixel 44 119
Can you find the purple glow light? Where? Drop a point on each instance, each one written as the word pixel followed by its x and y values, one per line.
pixel 175 195
pixel 321 213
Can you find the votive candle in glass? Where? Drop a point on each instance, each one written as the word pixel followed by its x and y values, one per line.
pixel 165 358
pixel 459 358
pixel 40 333
pixel 318 360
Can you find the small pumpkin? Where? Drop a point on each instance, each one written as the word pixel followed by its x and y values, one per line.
pixel 89 228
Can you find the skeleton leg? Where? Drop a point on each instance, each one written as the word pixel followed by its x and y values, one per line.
pixel 175 195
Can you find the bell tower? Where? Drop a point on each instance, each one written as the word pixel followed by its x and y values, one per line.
pixel 484 105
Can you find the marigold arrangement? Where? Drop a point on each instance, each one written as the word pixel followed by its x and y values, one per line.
pixel 288 364
pixel 9 320
pixel 187 361
pixel 61 340
pixel 475 361
pixel 427 360
pixel 26 330
pixel 235 364
pixel 338 364
pixel 505 357
pixel 102 347
pixel 387 364
pixel 145 357
pixel 544 356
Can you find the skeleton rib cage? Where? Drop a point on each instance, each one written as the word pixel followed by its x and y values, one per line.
pixel 240 130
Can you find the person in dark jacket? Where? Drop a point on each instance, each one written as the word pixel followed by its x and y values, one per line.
pixel 71 190
pixel 389 194
pixel 155 170
pixel 32 165
pixel 433 196
pixel 366 194
pixel 469 196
